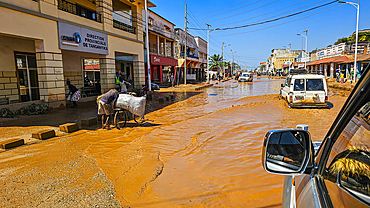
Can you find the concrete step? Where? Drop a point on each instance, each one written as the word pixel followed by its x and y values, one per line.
pixel 44 134
pixel 69 127
pixel 10 143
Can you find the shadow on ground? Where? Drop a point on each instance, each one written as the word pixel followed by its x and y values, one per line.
pixel 57 117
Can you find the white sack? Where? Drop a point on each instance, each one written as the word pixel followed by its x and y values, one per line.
pixel 135 105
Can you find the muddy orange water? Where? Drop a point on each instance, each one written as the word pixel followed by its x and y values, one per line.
pixel 204 151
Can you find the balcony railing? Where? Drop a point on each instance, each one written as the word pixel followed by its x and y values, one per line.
pixel 78 10
pixel 124 26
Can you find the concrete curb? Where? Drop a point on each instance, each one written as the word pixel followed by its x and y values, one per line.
pixel 69 127
pixel 44 134
pixel 204 87
pixel 10 143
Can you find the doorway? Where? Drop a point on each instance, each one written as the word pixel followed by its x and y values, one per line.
pixel 27 77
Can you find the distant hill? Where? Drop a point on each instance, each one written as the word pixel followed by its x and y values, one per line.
pixel 363 35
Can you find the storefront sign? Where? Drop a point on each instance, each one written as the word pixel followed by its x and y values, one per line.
pixel 81 39
pixel 159 60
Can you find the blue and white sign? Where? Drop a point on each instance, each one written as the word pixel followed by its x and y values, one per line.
pixel 81 39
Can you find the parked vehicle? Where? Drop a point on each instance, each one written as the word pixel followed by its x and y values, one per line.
pixel 338 175
pixel 245 77
pixel 305 90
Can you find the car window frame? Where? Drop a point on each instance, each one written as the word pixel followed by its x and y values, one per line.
pixel 359 96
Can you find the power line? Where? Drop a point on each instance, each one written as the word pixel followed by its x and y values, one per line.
pixel 223 7
pixel 273 20
pixel 231 10
pixel 198 23
pixel 245 11
pixel 280 23
pixel 267 13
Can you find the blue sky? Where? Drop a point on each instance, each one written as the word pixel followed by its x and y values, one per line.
pixel 254 44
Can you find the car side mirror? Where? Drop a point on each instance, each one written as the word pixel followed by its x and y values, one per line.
pixel 286 151
pixel 282 85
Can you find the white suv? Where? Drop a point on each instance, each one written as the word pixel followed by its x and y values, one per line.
pixel 305 90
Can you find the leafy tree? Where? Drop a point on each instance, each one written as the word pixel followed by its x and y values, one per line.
pixel 215 60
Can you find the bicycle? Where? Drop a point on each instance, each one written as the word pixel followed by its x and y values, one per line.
pixel 121 118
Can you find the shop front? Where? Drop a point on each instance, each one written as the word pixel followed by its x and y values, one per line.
pixel 161 68
pixel 81 50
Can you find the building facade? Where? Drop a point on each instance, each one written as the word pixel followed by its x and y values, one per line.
pixel 46 42
pixel 282 58
pixel 195 66
pixel 161 48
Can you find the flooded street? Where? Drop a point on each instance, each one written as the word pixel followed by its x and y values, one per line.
pixel 204 151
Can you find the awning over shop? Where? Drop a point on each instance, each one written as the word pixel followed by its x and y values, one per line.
pixel 337 59
pixel 360 58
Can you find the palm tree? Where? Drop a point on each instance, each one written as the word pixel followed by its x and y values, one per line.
pixel 215 60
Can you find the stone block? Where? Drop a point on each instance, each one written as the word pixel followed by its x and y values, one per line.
pixel 1 86
pixel 58 70
pixel 14 91
pixel 13 80
pixel 44 134
pixel 46 56
pixel 58 57
pixel 5 92
pixel 59 84
pixel 49 84
pixel 49 70
pixel 69 127
pixel 11 86
pixel 9 74
pixel 89 121
pixel 10 143
pixel 61 97
pixel 13 97
pixel 52 98
pixel 4 80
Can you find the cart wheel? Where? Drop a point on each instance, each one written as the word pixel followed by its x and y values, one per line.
pixel 137 119
pixel 120 119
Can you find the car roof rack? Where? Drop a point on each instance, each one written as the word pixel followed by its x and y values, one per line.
pixel 297 71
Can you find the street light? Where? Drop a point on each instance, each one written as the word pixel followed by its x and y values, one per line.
pixel 147 45
pixel 223 63
pixel 232 61
pixel 290 45
pixel 357 6
pixel 208 31
pixel 305 49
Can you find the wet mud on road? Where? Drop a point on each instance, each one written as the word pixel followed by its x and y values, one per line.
pixel 204 151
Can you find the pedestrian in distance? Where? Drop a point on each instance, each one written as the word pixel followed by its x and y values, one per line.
pixel 118 74
pixel 106 104
pixel 74 94
pixel 123 84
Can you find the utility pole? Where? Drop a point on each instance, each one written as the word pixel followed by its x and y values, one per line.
pixel 208 25
pixel 147 45
pixel 232 60
pixel 223 64
pixel 186 35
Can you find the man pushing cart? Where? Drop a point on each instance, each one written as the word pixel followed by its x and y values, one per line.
pixel 118 104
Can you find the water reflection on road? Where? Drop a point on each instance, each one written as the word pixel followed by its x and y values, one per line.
pixel 203 151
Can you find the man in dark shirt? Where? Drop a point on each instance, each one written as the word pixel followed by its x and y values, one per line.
pixel 106 104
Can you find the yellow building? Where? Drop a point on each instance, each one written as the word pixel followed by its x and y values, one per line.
pixel 280 57
pixel 45 42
